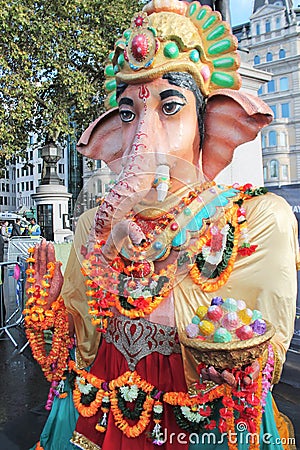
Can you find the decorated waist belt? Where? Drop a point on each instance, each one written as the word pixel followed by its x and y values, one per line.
pixel 138 338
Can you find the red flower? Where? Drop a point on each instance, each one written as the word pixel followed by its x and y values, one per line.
pixel 239 394
pixel 216 242
pixel 200 386
pixel 228 402
pixel 211 425
pixel 103 303
pixel 200 367
pixel 252 413
pixel 247 250
pixel 99 294
pixel 205 411
pixel 251 426
pixel 251 387
pixel 239 406
pixel 222 426
pixel 247 186
pixel 241 212
pixel 225 413
pixel 243 421
pixel 252 399
pixel 141 303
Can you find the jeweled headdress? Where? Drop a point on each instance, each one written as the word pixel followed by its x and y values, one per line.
pixel 175 36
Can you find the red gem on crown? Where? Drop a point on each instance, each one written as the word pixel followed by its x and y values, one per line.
pixel 140 47
pixel 138 21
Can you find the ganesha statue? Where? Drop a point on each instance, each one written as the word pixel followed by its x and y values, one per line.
pixel 166 240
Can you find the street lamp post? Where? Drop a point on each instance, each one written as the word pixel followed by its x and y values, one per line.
pixel 51 197
pixel 51 154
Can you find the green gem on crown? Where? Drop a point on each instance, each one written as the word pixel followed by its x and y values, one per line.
pixel 225 80
pixel 121 60
pixel 219 47
pixel 192 9
pixel 109 71
pixel 113 100
pixel 127 34
pixel 110 85
pixel 216 33
pixel 171 50
pixel 195 56
pixel 202 14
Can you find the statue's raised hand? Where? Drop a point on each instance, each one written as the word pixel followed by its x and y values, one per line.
pixel 44 253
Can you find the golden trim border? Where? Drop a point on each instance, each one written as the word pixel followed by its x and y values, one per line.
pixel 291 431
pixel 83 442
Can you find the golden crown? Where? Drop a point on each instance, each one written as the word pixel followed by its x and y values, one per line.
pixel 174 36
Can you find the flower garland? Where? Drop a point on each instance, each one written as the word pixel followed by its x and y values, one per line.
pixel 37 320
pixel 109 286
pixel 241 404
pixel 236 220
pixel 136 291
pixel 246 404
pixel 147 399
pixel 267 375
pixel 208 283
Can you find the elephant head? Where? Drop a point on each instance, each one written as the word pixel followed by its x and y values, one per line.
pixel 141 146
pixel 165 67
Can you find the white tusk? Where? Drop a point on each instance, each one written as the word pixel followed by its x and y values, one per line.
pixel 162 181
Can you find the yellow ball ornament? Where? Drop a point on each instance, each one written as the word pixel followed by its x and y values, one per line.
pixel 206 328
pixel 245 316
pixel 201 311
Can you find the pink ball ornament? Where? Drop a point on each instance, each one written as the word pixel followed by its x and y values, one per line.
pixel 244 332
pixel 214 313
pixel 231 321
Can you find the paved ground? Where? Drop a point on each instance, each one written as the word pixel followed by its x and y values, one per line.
pixel 23 393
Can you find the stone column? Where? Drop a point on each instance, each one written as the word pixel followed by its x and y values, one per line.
pixel 52 198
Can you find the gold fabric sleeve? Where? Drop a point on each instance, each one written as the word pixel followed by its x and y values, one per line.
pixel 73 293
pixel 265 280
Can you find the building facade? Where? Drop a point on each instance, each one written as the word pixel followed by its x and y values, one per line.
pixel 271 41
pixel 23 176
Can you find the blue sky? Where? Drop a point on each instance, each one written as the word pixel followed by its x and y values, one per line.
pixel 241 10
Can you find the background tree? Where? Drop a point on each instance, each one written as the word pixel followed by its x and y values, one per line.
pixel 52 55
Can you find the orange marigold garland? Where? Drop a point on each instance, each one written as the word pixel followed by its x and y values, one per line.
pixel 212 243
pixel 111 286
pixel 135 290
pixel 38 320
pixel 198 275
pixel 149 401
pixel 241 404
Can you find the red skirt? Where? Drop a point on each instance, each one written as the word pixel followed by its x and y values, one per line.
pixel 165 373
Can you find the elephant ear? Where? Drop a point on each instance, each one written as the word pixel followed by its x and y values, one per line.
pixel 231 119
pixel 103 140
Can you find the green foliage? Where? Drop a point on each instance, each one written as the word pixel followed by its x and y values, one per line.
pixel 52 56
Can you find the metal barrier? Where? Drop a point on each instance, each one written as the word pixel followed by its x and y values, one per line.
pixel 19 245
pixel 12 289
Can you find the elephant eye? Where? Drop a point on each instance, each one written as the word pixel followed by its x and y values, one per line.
pixel 126 115
pixel 172 108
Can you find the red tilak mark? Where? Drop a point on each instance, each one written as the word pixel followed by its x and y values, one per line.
pixel 144 92
pixel 139 135
pixel 137 146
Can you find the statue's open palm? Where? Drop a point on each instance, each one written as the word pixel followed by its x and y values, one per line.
pixel 44 253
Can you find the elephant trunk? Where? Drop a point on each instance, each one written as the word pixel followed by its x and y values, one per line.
pixel 132 185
